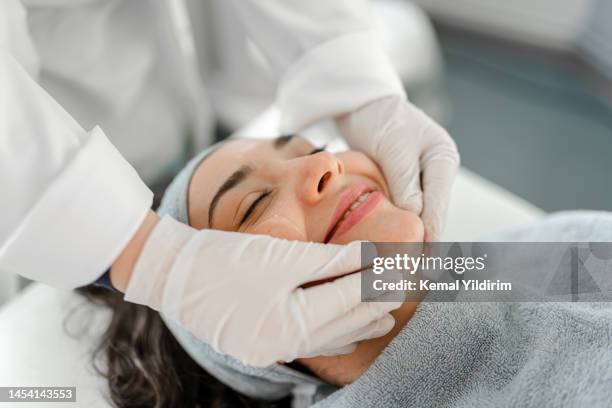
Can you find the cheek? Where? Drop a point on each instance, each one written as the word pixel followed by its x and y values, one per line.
pixel 357 163
pixel 280 226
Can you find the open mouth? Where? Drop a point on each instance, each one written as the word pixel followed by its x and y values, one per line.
pixel 354 205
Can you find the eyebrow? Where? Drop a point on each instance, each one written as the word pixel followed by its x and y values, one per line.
pixel 281 141
pixel 232 181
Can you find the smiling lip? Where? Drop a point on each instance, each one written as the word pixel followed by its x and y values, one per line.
pixel 337 227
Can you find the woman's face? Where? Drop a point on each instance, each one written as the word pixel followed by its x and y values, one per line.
pixel 286 188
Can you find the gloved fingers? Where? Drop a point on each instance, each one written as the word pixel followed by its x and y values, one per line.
pixel 438 178
pixel 377 328
pixel 328 301
pixel 406 191
pixel 405 152
pixel 346 343
pixel 357 323
pixel 339 351
pixel 366 321
pixel 329 261
pixel 330 350
pixel 325 303
pixel 401 167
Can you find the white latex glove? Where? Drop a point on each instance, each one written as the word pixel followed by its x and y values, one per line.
pixel 418 157
pixel 241 293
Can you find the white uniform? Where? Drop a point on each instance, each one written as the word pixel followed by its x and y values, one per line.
pixel 69 201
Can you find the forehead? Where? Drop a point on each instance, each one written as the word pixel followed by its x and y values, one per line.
pixel 219 165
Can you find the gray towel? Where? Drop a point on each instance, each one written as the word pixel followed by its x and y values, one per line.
pixel 492 355
pixel 498 354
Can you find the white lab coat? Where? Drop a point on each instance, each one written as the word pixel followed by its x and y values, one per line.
pixel 69 200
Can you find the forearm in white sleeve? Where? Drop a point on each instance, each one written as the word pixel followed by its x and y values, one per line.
pixel 326 53
pixel 70 202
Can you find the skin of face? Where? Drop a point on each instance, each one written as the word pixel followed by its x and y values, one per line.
pixel 298 189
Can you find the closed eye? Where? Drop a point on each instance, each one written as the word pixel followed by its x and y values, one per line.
pixel 318 150
pixel 249 212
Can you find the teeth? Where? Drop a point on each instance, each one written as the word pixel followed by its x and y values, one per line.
pixel 356 204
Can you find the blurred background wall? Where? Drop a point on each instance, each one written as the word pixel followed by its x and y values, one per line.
pixel 547 23
pixel 528 84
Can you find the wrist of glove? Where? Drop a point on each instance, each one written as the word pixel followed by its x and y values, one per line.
pixel 241 293
pixel 418 157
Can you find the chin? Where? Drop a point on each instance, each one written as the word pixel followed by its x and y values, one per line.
pixel 387 224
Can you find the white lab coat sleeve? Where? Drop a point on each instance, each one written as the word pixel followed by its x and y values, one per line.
pixel 15 38
pixel 69 202
pixel 326 53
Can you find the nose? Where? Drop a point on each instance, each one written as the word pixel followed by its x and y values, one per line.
pixel 317 175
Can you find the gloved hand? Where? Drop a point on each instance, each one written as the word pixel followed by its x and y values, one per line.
pixel 241 293
pixel 418 157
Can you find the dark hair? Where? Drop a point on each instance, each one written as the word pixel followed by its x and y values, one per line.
pixel 145 366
